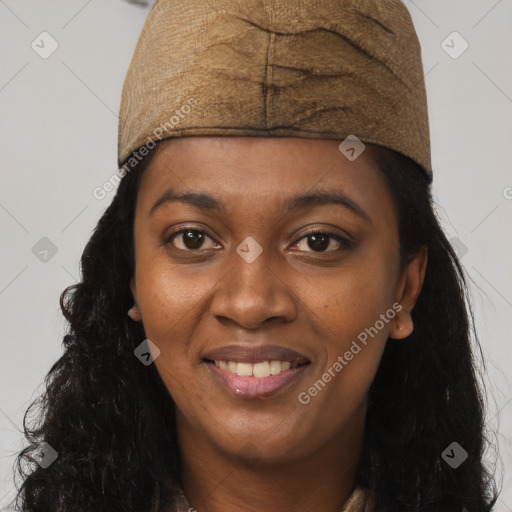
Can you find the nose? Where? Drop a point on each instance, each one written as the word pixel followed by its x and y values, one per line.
pixel 251 294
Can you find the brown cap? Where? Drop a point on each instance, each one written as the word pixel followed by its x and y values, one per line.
pixel 321 69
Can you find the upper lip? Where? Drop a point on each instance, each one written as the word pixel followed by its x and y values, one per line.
pixel 255 353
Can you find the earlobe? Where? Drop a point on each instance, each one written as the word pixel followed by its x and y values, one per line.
pixel 401 326
pixel 134 312
pixel 408 291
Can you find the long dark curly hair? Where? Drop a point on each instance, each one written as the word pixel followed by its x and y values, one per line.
pixel 112 420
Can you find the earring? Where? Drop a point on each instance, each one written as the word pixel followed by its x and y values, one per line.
pixel 134 313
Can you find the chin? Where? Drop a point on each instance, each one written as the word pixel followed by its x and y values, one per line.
pixel 260 445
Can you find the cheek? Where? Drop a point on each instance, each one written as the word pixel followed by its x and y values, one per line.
pixel 353 313
pixel 173 300
pixel 169 296
pixel 170 300
pixel 352 298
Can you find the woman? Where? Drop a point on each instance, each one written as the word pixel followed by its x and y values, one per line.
pixel 270 316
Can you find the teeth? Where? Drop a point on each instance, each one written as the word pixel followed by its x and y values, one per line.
pixel 260 369
pixel 244 369
pixel 275 367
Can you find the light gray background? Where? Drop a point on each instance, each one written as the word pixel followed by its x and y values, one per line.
pixel 58 127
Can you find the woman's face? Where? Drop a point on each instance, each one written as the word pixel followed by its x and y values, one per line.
pixel 232 272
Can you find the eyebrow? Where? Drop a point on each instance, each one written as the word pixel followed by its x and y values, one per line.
pixel 208 203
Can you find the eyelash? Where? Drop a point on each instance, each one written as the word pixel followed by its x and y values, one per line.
pixel 345 244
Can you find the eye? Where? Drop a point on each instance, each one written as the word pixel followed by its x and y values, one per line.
pixel 320 241
pixel 189 239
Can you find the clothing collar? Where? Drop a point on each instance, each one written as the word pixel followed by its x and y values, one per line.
pixel 357 502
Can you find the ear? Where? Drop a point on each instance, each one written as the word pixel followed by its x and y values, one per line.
pixel 407 293
pixel 134 312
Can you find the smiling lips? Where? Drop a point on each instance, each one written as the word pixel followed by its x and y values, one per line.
pixel 250 371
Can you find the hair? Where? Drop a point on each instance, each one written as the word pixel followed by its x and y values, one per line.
pixel 112 420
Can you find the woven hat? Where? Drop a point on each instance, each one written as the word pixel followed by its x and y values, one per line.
pixel 321 69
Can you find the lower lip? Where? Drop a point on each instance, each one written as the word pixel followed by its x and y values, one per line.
pixel 255 387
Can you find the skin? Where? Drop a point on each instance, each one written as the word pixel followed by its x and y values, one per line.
pixel 272 454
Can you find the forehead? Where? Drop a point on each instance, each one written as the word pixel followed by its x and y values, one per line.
pixel 261 170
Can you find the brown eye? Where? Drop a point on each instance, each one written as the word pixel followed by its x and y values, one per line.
pixel 189 239
pixel 320 241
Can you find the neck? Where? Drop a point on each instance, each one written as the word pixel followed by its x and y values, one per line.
pixel 214 481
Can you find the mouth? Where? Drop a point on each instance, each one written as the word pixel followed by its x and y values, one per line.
pixel 255 372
